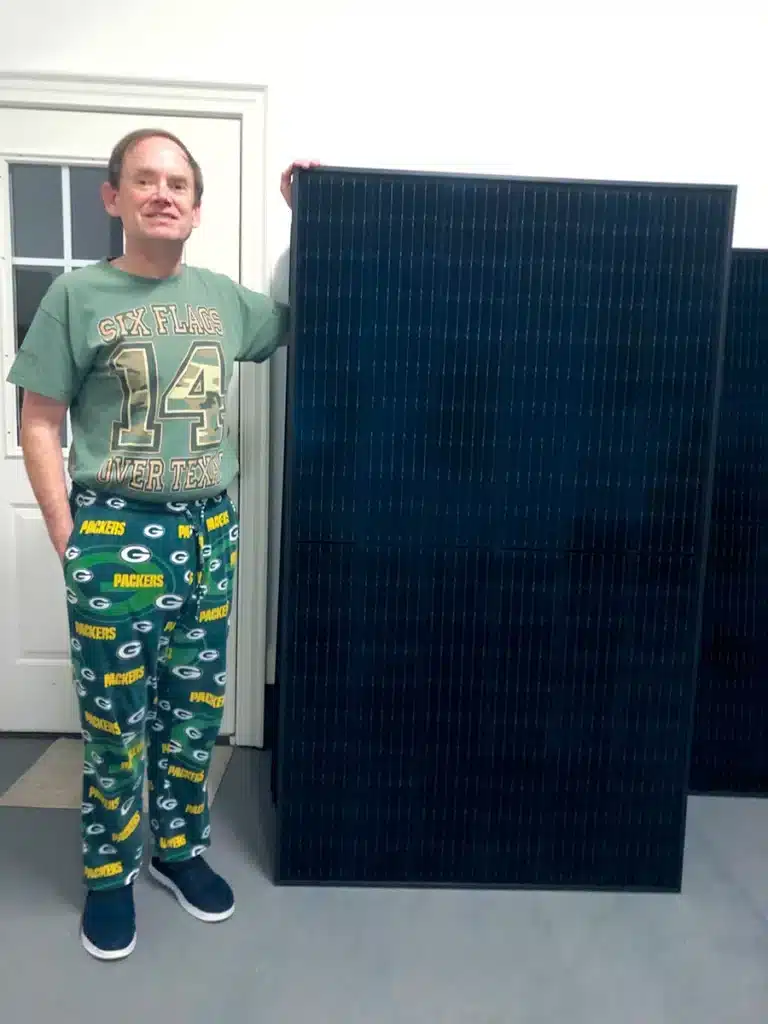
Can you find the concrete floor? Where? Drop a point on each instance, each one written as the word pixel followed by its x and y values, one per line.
pixel 348 956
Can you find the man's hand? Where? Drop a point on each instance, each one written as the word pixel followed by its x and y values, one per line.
pixel 286 178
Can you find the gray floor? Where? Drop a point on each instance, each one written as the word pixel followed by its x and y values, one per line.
pixel 341 956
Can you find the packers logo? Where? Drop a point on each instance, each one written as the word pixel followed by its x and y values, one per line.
pixel 107 783
pixel 157 726
pixel 206 831
pixel 166 803
pixel 82 575
pixel 189 576
pixel 116 503
pixel 206 550
pixel 127 806
pixel 76 645
pixel 100 604
pixel 208 655
pixel 181 713
pixel 88 674
pixel 154 530
pixel 164 704
pixel 106 849
pixel 85 500
pixel 177 823
pixel 179 557
pixel 201 756
pixel 143 626
pixel 132 875
pixel 130 650
pixel 86 735
pixel 162 764
pixel 234 533
pixel 195 634
pixel 222 585
pixel 72 553
pixel 135 553
pixel 215 564
pixel 197 850
pixel 193 733
pixel 137 716
pixel 71 596
pixel 95 830
pixel 174 747
pixel 86 808
pixel 220 679
pixel 176 506
pixel 128 738
pixel 162 643
pixel 186 672
pixel 169 602
pixel 106 705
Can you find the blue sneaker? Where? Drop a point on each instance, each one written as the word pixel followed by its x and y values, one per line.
pixel 108 928
pixel 203 894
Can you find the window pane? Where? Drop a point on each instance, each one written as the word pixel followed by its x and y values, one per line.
pixel 95 235
pixel 30 285
pixel 37 225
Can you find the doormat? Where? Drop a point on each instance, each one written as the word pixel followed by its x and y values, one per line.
pixel 54 782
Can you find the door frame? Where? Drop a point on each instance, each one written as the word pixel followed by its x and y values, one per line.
pixel 248 105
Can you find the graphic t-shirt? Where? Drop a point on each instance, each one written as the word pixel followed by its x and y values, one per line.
pixel 145 365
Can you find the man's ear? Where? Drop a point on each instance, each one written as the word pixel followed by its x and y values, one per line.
pixel 109 198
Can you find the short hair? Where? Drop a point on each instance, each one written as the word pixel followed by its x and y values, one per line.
pixel 126 144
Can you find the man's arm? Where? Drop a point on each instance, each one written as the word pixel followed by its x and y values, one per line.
pixel 41 421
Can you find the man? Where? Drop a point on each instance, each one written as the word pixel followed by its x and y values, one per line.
pixel 140 350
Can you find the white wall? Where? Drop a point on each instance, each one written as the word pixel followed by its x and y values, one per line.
pixel 423 84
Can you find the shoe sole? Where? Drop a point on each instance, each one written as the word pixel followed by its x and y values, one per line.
pixel 201 915
pixel 107 954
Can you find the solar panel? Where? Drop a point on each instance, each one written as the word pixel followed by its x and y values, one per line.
pixel 730 746
pixel 500 431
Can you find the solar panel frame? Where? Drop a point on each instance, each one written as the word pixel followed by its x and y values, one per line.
pixel 694 554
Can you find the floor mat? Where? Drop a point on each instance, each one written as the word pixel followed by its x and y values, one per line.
pixel 54 781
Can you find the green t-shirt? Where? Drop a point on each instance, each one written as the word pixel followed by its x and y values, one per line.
pixel 145 365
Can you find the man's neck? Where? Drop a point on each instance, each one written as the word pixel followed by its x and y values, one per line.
pixel 150 261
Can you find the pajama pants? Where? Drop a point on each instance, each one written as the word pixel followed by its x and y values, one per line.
pixel 149 589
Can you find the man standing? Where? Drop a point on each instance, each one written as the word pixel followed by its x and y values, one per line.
pixel 140 350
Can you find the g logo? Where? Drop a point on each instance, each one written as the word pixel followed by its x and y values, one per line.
pixel 86 808
pixel 176 506
pixel 215 564
pixel 154 530
pixel 193 733
pixel 179 557
pixel 143 626
pixel 157 726
pixel 165 705
pixel 106 849
pixel 135 553
pixel 208 655
pixel 201 756
pixel 206 550
pixel 177 823
pixel 85 500
pixel 106 705
pixel 197 850
pixel 82 575
pixel 174 747
pixel 223 585
pixel 71 553
pixel 182 714
pixel 195 634
pixel 137 716
pixel 88 674
pixel 76 645
pixel 189 576
pixel 220 679
pixel 234 533
pixel 186 672
pixel 127 805
pixel 116 503
pixel 162 764
pixel 206 831
pixel 130 650
pixel 162 643
pixel 132 875
pixel 107 783
pixel 167 803
pixel 95 830
pixel 169 602
pixel 100 604
pixel 71 596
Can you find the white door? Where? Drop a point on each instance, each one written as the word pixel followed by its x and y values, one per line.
pixel 51 220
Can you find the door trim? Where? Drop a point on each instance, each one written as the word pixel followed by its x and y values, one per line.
pixel 248 105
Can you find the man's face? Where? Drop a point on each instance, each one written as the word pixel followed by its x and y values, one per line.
pixel 156 196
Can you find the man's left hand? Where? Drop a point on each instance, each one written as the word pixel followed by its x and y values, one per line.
pixel 286 178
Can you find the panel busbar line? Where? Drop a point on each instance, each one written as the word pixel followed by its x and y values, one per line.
pixel 499 451
pixel 730 745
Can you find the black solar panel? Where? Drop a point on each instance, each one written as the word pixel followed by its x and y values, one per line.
pixel 500 427
pixel 730 747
